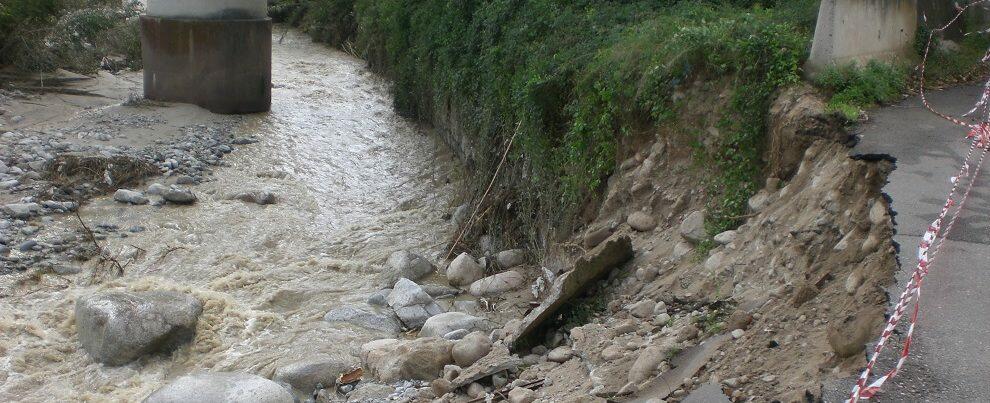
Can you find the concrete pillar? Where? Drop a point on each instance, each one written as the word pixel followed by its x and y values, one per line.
pixel 213 53
pixel 855 31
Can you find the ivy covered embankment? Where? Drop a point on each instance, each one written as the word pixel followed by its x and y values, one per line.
pixel 578 83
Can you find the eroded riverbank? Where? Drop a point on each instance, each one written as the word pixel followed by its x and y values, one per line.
pixel 354 183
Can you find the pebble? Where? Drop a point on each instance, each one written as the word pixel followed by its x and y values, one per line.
pixel 640 221
pixel 27 245
pixel 560 354
pixel 179 195
pixel 129 196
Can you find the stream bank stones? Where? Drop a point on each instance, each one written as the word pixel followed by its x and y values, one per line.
pixel 118 327
pixel 221 387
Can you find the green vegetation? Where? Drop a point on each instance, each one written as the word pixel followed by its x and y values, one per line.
pixel 574 79
pixel 856 88
pixel 42 35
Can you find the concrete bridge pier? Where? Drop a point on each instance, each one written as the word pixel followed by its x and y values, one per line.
pixel 855 31
pixel 213 53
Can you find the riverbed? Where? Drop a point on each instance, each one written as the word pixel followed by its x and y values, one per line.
pixel 354 182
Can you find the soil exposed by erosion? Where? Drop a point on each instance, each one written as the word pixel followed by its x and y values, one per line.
pixel 353 183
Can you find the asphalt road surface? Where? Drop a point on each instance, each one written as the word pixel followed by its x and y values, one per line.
pixel 950 354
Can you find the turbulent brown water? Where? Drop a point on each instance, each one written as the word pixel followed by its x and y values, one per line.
pixel 362 183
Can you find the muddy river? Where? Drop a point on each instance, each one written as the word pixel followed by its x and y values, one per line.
pixel 360 182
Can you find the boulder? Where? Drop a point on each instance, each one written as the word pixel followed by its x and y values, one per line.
pixel 560 354
pixel 420 359
pixel 725 238
pixel 497 284
pixel 464 270
pixel 646 364
pixel 411 304
pixel 643 309
pixel 221 387
pixel 129 196
pixel 510 258
pixel 364 317
pixel 444 323
pixel 640 221
pixel 261 197
pixel 596 236
pixel 681 250
pixel 118 327
pixel 693 227
pixel 471 348
pixel 179 195
pixel 22 211
pixel 307 375
pixel 521 395
pixel 156 189
pixel 405 264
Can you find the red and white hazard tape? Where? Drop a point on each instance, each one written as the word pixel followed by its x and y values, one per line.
pixel 980 139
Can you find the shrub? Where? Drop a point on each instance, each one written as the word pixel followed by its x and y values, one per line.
pixel 854 88
pixel 42 35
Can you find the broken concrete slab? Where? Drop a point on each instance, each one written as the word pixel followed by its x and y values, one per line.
pixel 591 267
pixel 707 393
pixel 685 365
pixel 498 360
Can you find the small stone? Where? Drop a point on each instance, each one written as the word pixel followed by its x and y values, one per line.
pixel 642 309
pixel 596 236
pixel 522 395
pixel 27 245
pixel 377 298
pixel 260 197
pixel 464 270
pixel 725 238
pixel 471 348
pixel 179 195
pixel 739 320
pixel 497 284
pixel 157 189
pixel 456 335
pixel 560 354
pixel 476 390
pixel 681 250
pixel 221 387
pixel 738 333
pixel 640 221
pixel 440 386
pixel 647 274
pixel 444 323
pixel 22 211
pixel 414 306
pixel 135 229
pixel 508 259
pixel 662 319
pixel 365 318
pixel 406 264
pixel 693 227
pixel 129 196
